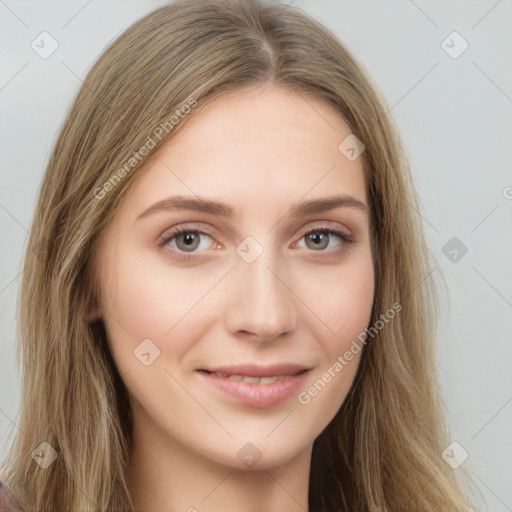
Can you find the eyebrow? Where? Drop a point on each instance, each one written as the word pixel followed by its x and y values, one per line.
pixel 217 208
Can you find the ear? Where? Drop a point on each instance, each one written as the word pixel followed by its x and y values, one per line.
pixel 93 312
pixel 93 315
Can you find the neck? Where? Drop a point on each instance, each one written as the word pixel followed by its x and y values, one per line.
pixel 164 475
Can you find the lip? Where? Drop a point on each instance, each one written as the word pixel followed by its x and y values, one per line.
pixel 256 394
pixel 259 370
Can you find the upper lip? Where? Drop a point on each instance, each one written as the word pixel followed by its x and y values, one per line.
pixel 259 370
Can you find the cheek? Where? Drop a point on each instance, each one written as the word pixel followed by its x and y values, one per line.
pixel 150 300
pixel 344 306
pixel 139 303
pixel 341 297
pixel 138 295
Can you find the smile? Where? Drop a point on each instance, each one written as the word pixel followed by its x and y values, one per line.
pixel 256 390
pixel 253 379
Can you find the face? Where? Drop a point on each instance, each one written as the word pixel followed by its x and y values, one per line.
pixel 234 276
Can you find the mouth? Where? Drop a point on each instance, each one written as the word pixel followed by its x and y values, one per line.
pixel 257 386
pixel 254 379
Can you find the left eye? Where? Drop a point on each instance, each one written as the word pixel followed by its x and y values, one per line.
pixel 321 239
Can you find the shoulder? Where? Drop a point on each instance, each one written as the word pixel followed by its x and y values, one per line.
pixel 8 502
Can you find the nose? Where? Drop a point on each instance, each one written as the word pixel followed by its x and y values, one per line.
pixel 261 305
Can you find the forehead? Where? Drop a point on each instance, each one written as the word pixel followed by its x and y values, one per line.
pixel 258 149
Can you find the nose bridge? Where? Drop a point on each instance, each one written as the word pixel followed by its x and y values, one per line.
pixel 261 303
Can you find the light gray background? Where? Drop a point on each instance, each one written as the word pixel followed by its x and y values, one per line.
pixel 455 119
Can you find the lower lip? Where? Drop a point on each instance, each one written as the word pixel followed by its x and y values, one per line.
pixel 257 395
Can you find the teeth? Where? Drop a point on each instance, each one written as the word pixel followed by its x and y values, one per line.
pixel 252 380
pixel 268 380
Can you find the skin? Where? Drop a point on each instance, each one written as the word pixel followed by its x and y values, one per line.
pixel 260 151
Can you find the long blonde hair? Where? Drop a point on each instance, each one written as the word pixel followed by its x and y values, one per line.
pixel 382 451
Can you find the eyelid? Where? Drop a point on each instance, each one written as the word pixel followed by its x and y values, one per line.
pixel 184 227
pixel 329 226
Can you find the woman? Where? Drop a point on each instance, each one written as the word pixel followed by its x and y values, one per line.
pixel 225 302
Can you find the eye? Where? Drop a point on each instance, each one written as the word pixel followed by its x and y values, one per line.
pixel 183 242
pixel 187 240
pixel 320 239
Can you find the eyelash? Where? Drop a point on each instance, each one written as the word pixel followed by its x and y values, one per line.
pixel 181 255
